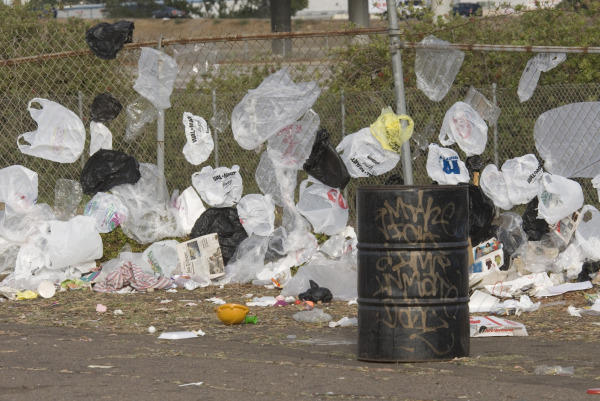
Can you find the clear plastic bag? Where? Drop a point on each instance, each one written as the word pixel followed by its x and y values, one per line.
pixel 100 137
pixel 219 187
pixel 247 260
pixel 486 109
pixel 542 62
pixel 257 214
pixel 156 76
pixel 522 176
pixel 291 145
pixel 162 257
pixel 492 184
pixel 363 155
pixel 107 210
pixel 464 126
pixel 277 181
pixel 18 188
pixel 392 130
pixel 445 167
pixel 139 113
pixel 276 102
pixel 558 198
pixel 324 207
pixel 199 143
pixel 60 136
pixel 67 196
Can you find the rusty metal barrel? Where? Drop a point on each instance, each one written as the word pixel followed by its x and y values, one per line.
pixel 413 283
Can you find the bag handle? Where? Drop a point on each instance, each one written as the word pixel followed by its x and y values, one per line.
pixel 35 112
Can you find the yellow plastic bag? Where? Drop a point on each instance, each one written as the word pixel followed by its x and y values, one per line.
pixel 27 294
pixel 389 131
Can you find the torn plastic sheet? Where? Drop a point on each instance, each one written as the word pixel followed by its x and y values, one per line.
pixel 566 138
pixel 542 62
pixel 436 69
pixel 100 137
pixel 291 145
pixel 276 102
pixel 486 109
pixel 156 76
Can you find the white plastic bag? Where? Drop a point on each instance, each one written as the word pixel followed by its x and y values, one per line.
pixel 19 227
pixel 464 126
pixel 588 232
pixel 73 242
pixel 291 145
pixel 248 259
pixel 156 76
pixel 363 155
pixel 162 257
pixel 219 187
pixel 277 181
pixel 18 188
pixel 257 214
pixel 445 167
pixel 276 102
pixel 558 198
pixel 100 137
pixel 107 210
pixel 199 143
pixel 596 184
pixel 522 176
pixel 324 207
pixel 493 185
pixel 60 136
pixel 189 207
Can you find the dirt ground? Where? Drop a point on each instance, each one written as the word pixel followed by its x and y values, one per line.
pixel 61 348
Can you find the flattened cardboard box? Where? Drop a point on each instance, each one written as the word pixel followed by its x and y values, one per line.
pixel 201 257
pixel 493 326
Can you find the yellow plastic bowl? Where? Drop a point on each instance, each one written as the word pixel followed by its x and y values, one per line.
pixel 232 313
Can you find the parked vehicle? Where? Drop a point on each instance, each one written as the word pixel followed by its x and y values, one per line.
pixel 169 12
pixel 411 8
pixel 467 9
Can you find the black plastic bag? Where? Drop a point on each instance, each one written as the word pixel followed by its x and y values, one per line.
pixel 316 293
pixel 534 228
pixel 587 269
pixel 105 108
pixel 474 164
pixel 105 39
pixel 325 164
pixel 226 223
pixel 481 214
pixel 108 168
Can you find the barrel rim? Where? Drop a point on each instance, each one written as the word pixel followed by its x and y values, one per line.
pixel 400 187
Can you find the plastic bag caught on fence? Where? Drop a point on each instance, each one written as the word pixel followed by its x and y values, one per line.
pixel 574 152
pixel 291 145
pixel 105 39
pixel 60 136
pixel 542 62
pixel 139 113
pixel 534 227
pixel 73 242
pixel 189 207
pixel 558 198
pixel 276 102
pixel 486 109
pixel 18 188
pixel 199 143
pixel 219 187
pixel 107 210
pixel 324 207
pixel 156 76
pixel 464 126
pixel 277 181
pixel 436 69
pixel 445 167
pixel 105 108
pixel 522 176
pixel 392 130
pixel 363 155
pixel 108 168
pixel 325 164
pixel 588 232
pixel 226 223
pixel 100 137
pixel 257 214
pixel 67 196
pixel 494 186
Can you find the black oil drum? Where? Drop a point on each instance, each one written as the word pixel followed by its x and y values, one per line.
pixel 413 282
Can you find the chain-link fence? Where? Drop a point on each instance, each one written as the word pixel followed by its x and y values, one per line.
pixel 215 73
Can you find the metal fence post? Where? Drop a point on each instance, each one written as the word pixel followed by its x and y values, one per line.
pixel 496 160
pixel 343 113
pixel 80 105
pixel 160 134
pixel 395 53
pixel 215 130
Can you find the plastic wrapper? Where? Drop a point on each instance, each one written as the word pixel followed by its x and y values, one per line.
pixel 364 156
pixel 199 143
pixel 60 135
pixel 108 168
pixel 219 187
pixel 436 69
pixel 558 198
pixel 275 103
pixel 107 210
pixel 463 126
pixel 324 207
pixel 486 109
pixel 100 137
pixel 18 188
pixel 226 223
pixel 139 113
pixel 257 214
pixel 481 215
pixel 105 108
pixel 445 167
pixel 67 196
pixel 392 130
pixel 156 76
pixel 325 164
pixel 276 181
pixel 570 153
pixel 494 186
pixel 106 40
pixel 291 145
pixel 522 176
pixel 534 227
pixel 542 62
